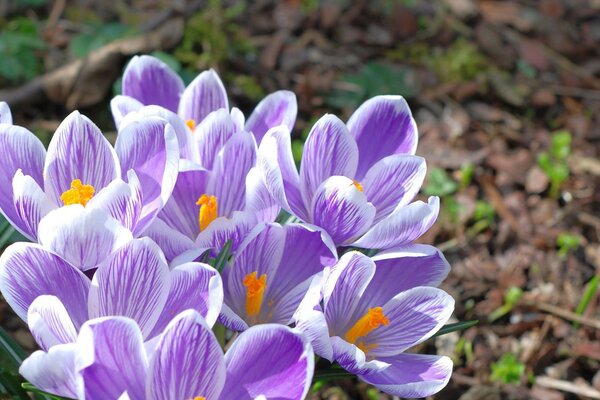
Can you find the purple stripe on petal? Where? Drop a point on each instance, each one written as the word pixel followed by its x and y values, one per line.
pixel 121 105
pixel 260 253
pixel 353 359
pixel 278 108
pixel 412 375
pixel 30 204
pixel 203 95
pixel 183 133
pixel 402 227
pixel 269 360
pixel 212 134
pixel 329 150
pixel 382 126
pixel 403 269
pixel 342 210
pixel 228 177
pixel 276 164
pixel 181 211
pixel 28 271
pixel 393 182
pixel 20 149
pixel 49 322
pixel 133 282
pixel 83 237
pixel 414 315
pixel 171 242
pixel 5 114
pixel 122 201
pixel 304 255
pixel 188 361
pixel 259 201
pixel 111 359
pixel 194 286
pixel 52 372
pixel 231 320
pixel 343 290
pixel 78 150
pixel 149 147
pixel 151 81
pixel 223 229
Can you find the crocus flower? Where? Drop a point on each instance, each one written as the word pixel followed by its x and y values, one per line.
pixel 218 191
pixel 55 297
pixel 5 114
pixel 149 81
pixel 375 309
pixel 79 164
pixel 356 181
pixel 271 273
pixel 111 361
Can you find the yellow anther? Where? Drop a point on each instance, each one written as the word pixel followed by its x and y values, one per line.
pixel 255 291
pixel 77 194
pixel 372 320
pixel 208 210
pixel 199 398
pixel 191 124
pixel 358 185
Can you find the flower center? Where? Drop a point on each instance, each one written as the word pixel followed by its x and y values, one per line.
pixel 77 194
pixel 358 185
pixel 255 291
pixel 208 210
pixel 372 320
pixel 199 398
pixel 190 124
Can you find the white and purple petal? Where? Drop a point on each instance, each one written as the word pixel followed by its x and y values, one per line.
pixel 341 209
pixel 50 323
pixel 276 164
pixel 151 81
pixel 212 134
pixel 194 286
pixel 5 114
pixel 278 108
pixel 110 359
pixel 149 147
pixel 203 95
pixel 329 150
pixel 402 227
pixel 83 237
pixel 133 282
pixel 121 106
pixel 382 126
pixel 393 182
pixel 411 375
pixel 54 371
pixel 30 204
pixel 269 360
pixel 78 150
pixel 188 361
pixel 28 271
pixel 21 150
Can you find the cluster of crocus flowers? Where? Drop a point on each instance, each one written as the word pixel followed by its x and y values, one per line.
pixel 140 248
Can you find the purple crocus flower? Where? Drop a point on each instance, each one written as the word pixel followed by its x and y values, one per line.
pixel 55 297
pixel 218 191
pixel 149 81
pixel 110 361
pixel 5 114
pixel 271 273
pixel 356 180
pixel 80 163
pixel 375 309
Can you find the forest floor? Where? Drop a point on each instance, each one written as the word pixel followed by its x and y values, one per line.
pixel 506 95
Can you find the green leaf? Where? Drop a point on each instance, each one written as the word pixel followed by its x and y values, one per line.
pixel 11 354
pixel 223 257
pixel 333 372
pixel 30 388
pixel 457 326
pixel 508 369
pixel 588 294
pixel 439 184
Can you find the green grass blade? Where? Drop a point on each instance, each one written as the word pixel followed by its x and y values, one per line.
pixel 588 294
pixel 458 326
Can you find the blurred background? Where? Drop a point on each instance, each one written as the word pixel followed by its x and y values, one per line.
pixel 506 95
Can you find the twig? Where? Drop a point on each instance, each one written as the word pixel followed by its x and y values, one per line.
pixel 565 386
pixel 565 314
